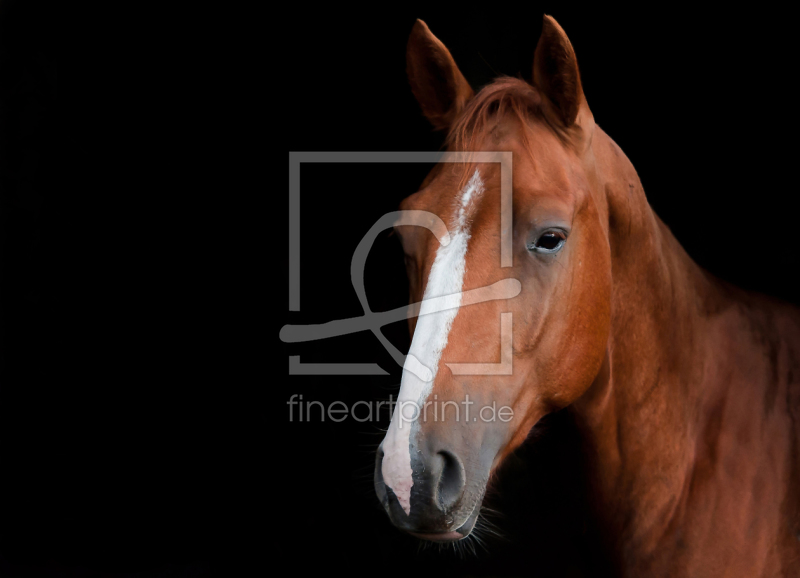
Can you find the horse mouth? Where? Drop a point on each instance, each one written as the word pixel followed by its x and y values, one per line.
pixel 453 535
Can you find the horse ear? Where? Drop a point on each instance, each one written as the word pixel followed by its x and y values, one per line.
pixel 437 83
pixel 555 72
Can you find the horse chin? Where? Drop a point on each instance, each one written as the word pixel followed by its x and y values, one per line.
pixel 443 537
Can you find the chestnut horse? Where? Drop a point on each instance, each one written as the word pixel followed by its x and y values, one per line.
pixel 685 390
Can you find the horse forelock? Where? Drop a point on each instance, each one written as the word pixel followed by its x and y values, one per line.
pixel 505 98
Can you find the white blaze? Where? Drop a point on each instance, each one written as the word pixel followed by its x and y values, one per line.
pixel 446 279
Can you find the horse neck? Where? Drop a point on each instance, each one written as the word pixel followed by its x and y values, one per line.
pixel 635 416
pixel 697 374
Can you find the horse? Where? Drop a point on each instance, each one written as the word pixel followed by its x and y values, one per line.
pixel 685 390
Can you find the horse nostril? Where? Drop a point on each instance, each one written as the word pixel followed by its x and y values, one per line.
pixel 378 474
pixel 377 478
pixel 451 480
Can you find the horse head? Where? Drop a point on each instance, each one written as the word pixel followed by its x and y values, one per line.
pixel 528 355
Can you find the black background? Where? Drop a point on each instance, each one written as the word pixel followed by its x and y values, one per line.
pixel 145 155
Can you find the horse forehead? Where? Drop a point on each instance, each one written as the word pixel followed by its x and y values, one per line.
pixel 443 196
pixel 537 185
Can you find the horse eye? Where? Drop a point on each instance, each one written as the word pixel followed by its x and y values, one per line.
pixel 549 242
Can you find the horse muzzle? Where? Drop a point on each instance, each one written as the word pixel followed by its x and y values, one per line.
pixel 442 507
